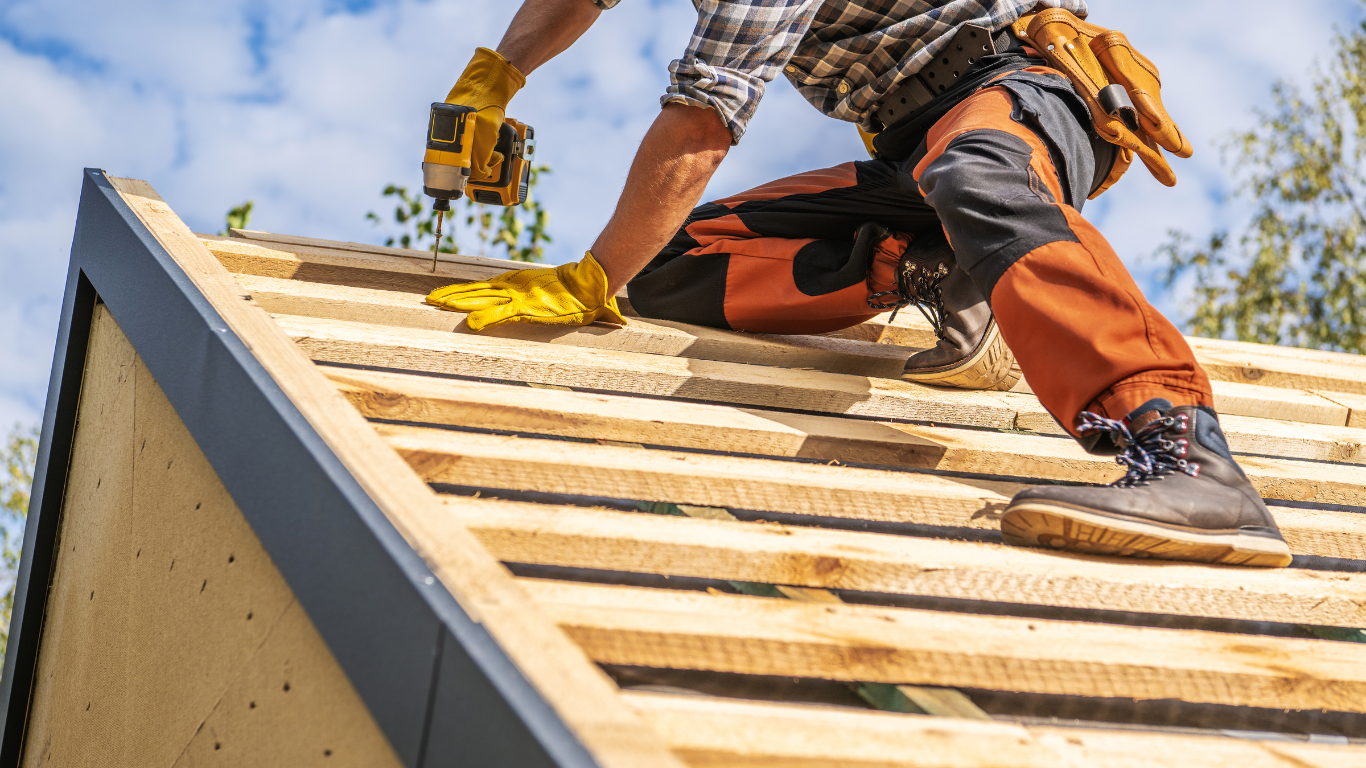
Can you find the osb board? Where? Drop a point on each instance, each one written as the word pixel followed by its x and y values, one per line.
pixel 170 638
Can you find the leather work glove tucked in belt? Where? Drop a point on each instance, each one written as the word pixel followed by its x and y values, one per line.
pixel 570 294
pixel 1119 84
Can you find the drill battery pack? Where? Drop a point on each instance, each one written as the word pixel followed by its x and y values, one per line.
pixel 510 178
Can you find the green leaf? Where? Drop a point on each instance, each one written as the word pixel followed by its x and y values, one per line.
pixel 1294 274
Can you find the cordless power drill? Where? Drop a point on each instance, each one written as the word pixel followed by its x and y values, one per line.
pixel 446 165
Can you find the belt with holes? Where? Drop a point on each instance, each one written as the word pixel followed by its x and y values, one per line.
pixel 970 44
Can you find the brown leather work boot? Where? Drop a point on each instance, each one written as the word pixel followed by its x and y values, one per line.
pixel 970 353
pixel 1184 497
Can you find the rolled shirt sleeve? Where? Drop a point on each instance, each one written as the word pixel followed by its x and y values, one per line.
pixel 737 48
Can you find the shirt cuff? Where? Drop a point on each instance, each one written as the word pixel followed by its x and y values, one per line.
pixel 732 93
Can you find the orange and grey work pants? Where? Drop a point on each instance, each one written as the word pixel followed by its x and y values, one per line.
pixel 1002 176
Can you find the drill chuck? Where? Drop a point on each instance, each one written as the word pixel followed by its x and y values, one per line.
pixel 444 182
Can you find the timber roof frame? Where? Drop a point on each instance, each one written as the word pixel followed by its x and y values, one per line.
pixel 510 540
pixel 415 655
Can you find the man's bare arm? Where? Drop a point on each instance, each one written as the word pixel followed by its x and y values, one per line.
pixel 675 161
pixel 542 29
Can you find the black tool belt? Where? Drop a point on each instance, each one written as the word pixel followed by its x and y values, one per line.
pixel 947 70
pixel 942 73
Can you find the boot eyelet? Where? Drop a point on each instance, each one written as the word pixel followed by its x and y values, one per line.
pixel 1182 447
pixel 1191 468
pixel 1182 424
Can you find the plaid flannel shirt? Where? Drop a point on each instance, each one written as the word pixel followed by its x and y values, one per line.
pixel 843 56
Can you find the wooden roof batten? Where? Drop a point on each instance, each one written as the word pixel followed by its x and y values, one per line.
pixel 823 543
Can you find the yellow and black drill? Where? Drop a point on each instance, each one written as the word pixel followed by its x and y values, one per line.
pixel 446 165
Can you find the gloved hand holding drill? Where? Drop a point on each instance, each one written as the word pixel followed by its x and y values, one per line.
pixel 487 85
pixel 571 294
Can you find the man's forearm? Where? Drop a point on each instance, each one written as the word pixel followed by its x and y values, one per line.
pixel 675 161
pixel 542 29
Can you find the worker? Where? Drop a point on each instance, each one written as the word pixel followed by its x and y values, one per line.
pixel 970 210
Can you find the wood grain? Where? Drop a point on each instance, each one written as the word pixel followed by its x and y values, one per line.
pixel 710 732
pixel 1228 361
pixel 457 402
pixel 340 267
pixel 656 337
pixel 511 359
pixel 831 559
pixel 619 470
pixel 681 629
pixel 553 466
pixel 1230 399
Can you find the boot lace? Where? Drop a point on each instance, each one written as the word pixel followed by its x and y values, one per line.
pixel 919 284
pixel 1145 453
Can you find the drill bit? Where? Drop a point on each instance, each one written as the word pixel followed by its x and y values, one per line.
pixel 440 214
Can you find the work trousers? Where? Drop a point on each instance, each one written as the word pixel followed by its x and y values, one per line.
pixel 1002 176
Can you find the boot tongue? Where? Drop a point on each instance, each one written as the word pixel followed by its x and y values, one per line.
pixel 1147 413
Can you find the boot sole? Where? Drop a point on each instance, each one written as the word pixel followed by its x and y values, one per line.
pixel 1064 527
pixel 990 366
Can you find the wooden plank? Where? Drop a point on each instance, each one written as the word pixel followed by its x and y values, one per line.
pixel 1273 437
pixel 1230 399
pixel 829 559
pixel 410 256
pixel 354 343
pixel 495 461
pixel 342 268
pixel 910 329
pixel 930 700
pixel 1136 749
pixel 656 337
pixel 1229 347
pixel 456 402
pixel 358 265
pixel 710 732
pixel 681 629
pixel 1356 405
pixel 1033 456
pixel 1267 402
pixel 1230 361
pixel 511 359
pixel 580 694
pixel 1227 361
pixel 620 471
pixel 1281 370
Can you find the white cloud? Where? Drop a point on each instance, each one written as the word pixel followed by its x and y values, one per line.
pixel 310 111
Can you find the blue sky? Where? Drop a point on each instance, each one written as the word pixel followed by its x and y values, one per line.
pixel 310 107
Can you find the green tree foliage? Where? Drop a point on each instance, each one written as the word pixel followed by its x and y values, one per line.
pixel 238 218
pixel 18 455
pixel 1294 275
pixel 520 230
pixel 417 222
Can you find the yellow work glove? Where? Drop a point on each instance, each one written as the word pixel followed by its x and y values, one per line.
pixel 570 294
pixel 488 84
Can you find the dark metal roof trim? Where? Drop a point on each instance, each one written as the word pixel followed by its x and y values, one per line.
pixel 442 690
